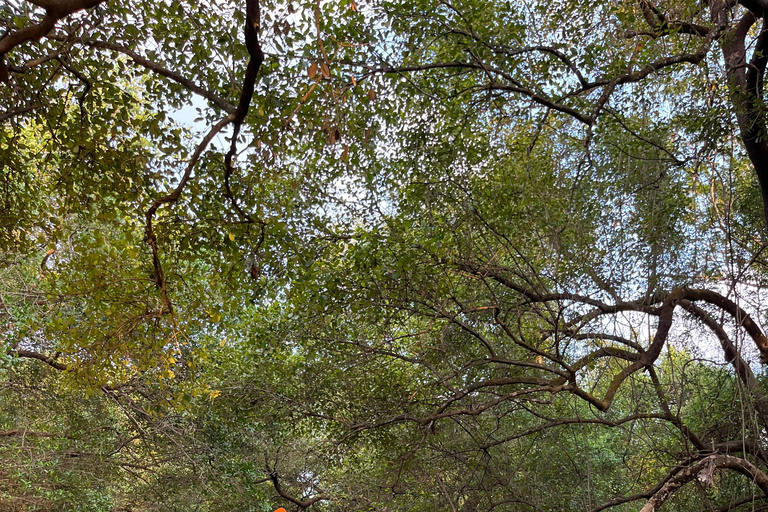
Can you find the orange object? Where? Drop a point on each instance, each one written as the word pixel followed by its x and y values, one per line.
pixel 281 509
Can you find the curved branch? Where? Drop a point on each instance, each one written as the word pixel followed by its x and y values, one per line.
pixel 665 323
pixel 604 336
pixel 302 504
pixel 514 87
pixel 741 317
pixel 54 11
pixel 50 361
pixel 252 44
pixel 730 351
pixel 172 197
pixel 730 507
pixel 703 470
pixel 661 25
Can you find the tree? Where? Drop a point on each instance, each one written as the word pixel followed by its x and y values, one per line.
pixel 475 255
pixel 585 63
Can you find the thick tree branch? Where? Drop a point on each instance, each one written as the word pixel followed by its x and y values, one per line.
pixel 757 7
pixel 661 25
pixel 40 357
pixel 302 504
pixel 252 44
pixel 704 470
pixel 746 92
pixel 54 11
pixel 742 318
pixel 730 351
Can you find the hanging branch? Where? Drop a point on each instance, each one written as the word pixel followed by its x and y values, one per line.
pixel 171 198
pixel 252 44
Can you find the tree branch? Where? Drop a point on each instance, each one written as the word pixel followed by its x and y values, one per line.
pixel 252 44
pixel 703 470
pixel 172 197
pixel 151 66
pixel 54 11
pixel 302 504
pixel 40 357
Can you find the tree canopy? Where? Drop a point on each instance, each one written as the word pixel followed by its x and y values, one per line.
pixel 386 255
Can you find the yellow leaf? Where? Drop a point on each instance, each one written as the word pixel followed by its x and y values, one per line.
pixel 231 237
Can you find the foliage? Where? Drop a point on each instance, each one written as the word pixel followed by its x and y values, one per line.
pixel 459 256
